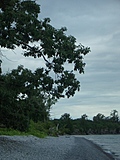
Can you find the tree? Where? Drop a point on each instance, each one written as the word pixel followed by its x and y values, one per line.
pixel 24 97
pixel 84 117
pixel 66 124
pixel 65 116
pixel 20 27
pixel 114 116
pixel 99 117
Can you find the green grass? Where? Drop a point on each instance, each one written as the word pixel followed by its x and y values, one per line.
pixel 11 132
pixel 35 129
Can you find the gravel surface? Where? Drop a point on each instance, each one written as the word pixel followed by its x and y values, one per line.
pixel 50 148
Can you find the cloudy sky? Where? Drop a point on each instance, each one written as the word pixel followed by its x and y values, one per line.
pixel 95 24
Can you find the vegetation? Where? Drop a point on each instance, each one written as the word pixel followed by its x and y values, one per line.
pixel 37 129
pixel 25 95
pixel 20 27
pixel 99 125
pixel 66 125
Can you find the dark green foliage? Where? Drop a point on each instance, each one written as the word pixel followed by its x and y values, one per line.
pixel 12 113
pixel 114 116
pixel 18 22
pixel 66 125
pixel 99 125
pixel 20 27
pixel 24 96
pixel 99 117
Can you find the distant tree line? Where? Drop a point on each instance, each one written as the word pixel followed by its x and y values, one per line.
pixel 99 125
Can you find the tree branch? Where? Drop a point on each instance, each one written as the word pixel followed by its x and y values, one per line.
pixel 21 42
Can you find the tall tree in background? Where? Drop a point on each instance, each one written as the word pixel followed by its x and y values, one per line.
pixel 114 116
pixel 66 123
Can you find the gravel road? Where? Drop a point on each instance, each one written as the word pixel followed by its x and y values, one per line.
pixel 50 148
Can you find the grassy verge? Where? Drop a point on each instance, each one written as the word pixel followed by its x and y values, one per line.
pixel 35 129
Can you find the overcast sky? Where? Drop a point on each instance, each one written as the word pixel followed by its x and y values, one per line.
pixel 95 24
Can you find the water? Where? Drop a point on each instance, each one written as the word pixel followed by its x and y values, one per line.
pixel 109 143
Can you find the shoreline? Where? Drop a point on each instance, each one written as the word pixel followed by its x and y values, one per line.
pixel 55 148
pixel 108 143
pixel 109 154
